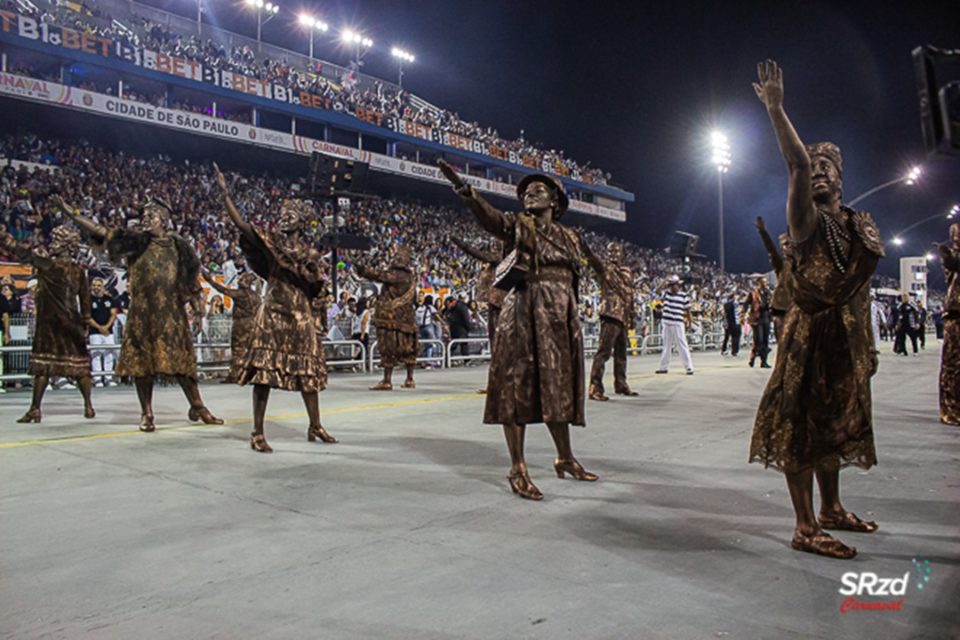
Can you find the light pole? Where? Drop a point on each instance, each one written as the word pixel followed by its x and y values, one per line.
pixel 910 178
pixel 262 7
pixel 312 24
pixel 360 42
pixel 720 147
pixel 954 212
pixel 401 56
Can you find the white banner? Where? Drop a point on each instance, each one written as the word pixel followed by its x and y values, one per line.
pixel 71 97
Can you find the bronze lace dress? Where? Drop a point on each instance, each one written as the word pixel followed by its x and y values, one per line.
pixel 246 304
pixel 284 348
pixel 395 315
pixel 162 276
pixel 816 409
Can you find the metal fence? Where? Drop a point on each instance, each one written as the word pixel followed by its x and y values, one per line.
pixel 342 350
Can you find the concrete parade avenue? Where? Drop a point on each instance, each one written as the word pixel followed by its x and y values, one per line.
pixel 408 529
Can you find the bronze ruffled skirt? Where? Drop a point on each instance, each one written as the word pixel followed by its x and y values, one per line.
pixel 284 352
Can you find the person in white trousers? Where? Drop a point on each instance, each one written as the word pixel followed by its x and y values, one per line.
pixel 676 319
pixel 103 316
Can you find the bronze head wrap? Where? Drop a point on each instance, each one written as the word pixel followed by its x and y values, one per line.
pixel 829 151
pixel 64 238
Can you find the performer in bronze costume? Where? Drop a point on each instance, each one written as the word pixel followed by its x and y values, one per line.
pixel 395 317
pixel 284 350
pixel 489 293
pixel 537 372
pixel 246 303
pixel 815 415
pixel 950 356
pixel 63 317
pixel 616 317
pixel 780 261
pixel 163 275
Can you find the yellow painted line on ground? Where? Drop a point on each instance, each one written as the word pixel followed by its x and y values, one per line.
pixel 301 414
pixel 282 416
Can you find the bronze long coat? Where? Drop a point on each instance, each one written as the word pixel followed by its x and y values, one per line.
pixel 63 316
pixel 537 372
pixel 816 409
pixel 162 275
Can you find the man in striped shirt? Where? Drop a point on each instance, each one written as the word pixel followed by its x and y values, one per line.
pixel 676 319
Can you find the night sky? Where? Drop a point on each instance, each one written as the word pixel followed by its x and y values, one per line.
pixel 636 88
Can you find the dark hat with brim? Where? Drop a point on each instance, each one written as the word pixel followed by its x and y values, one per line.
pixel 550 181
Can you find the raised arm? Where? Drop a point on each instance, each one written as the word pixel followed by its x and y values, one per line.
pixel 227 291
pixel 238 220
pixel 473 252
pixel 96 231
pixel 776 260
pixel 488 216
pixel 595 262
pixel 801 214
pixel 385 276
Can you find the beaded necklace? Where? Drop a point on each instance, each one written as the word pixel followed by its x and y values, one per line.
pixel 838 240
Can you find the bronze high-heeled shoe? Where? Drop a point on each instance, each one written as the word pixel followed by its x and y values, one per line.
pixel 146 423
pixel 409 384
pixel 198 414
pixel 317 431
pixel 575 469
pixel 33 415
pixel 595 393
pixel 522 485
pixel 846 521
pixel 259 443
pixel 382 386
pixel 89 413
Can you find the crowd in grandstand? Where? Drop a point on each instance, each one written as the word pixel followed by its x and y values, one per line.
pixel 389 100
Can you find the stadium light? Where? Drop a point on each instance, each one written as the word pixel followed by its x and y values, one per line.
pixel 312 25
pixel 720 158
pixel 360 42
pixel 930 257
pixel 897 240
pixel 261 7
pixel 911 177
pixel 401 56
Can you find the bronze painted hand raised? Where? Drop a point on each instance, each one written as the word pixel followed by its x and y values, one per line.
pixel 760 224
pixel 221 181
pixel 770 88
pixel 462 188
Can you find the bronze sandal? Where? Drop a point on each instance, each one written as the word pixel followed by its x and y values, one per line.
pixel 522 485
pixel 33 415
pixel 317 431
pixel 259 443
pixel 822 544
pixel 847 522
pixel 575 469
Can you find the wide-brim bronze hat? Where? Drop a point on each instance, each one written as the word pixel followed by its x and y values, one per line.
pixel 550 181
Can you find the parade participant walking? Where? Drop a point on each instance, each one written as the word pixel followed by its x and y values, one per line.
pixel 246 303
pixel 759 319
pixel 782 296
pixel 395 317
pixel 284 352
pixel 537 371
pixel 676 320
pixel 163 272
pixel 815 414
pixel 63 316
pixel 616 316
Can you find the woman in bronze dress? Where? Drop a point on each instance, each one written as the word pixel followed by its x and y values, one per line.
pixel 163 274
pixel 815 415
pixel 950 355
pixel 246 303
pixel 395 317
pixel 285 351
pixel 537 372
pixel 63 317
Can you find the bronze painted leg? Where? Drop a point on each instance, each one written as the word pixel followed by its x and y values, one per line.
pixel 144 386
pixel 566 462
pixel 808 536
pixel 261 393
pixel 197 412
pixel 85 384
pixel 832 513
pixel 519 479
pixel 311 400
pixel 620 385
pixel 604 350
pixel 33 414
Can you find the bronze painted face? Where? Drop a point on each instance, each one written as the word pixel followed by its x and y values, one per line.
pixel 246 280
pixel 615 251
pixel 825 179
pixel 538 197
pixel 155 219
pixel 291 215
pixel 761 283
